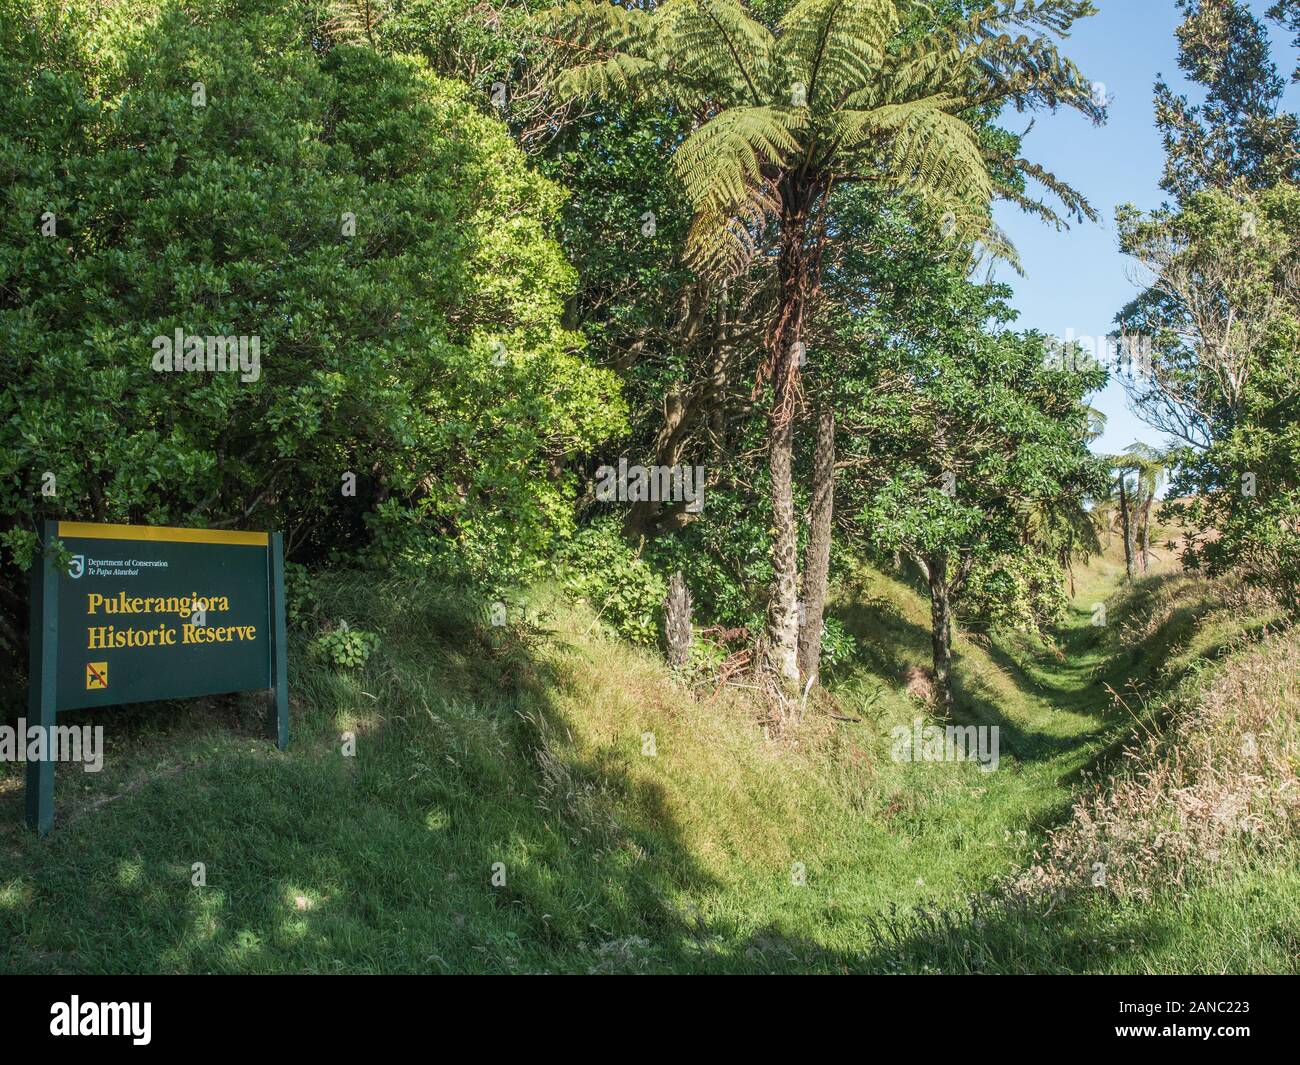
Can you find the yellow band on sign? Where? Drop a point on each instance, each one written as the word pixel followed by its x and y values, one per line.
pixel 94 531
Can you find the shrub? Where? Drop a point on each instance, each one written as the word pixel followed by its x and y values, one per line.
pixel 600 567
pixel 422 351
pixel 300 600
pixel 346 647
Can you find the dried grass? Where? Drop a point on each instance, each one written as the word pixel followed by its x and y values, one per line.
pixel 1222 776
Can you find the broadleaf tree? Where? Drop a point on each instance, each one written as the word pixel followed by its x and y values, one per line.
pixel 969 429
pixel 1221 307
pixel 383 238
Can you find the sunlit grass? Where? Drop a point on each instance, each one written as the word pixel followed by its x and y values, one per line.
pixel 558 802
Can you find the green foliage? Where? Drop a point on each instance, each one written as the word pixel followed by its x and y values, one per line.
pixel 1225 316
pixel 1223 305
pixel 1287 13
pixel 344 647
pixel 1224 310
pixel 1246 517
pixel 970 432
pixel 830 91
pixel 707 657
pixel 459 38
pixel 839 646
pixel 1238 133
pixel 1024 592
pixel 301 603
pixel 623 229
pixel 426 353
pixel 723 557
pixel 627 592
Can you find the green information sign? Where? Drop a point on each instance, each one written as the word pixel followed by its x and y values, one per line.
pixel 145 613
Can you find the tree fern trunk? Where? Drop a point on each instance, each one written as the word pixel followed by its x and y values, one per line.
pixel 794 273
pixel 1127 521
pixel 1146 531
pixel 677 621
pixel 816 575
pixel 783 607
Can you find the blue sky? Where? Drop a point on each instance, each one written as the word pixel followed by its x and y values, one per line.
pixel 1078 279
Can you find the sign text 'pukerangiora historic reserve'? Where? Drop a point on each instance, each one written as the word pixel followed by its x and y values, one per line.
pixel 161 614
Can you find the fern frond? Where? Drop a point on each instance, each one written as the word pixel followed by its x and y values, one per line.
pixel 997 19
pixel 708 53
pixel 718 40
pixel 721 244
pixel 932 150
pixel 602 27
pixel 1075 203
pixel 620 76
pixel 836 46
pixel 1027 73
pixel 997 243
pixel 355 21
pixel 722 161
pixel 852 127
pixel 1024 69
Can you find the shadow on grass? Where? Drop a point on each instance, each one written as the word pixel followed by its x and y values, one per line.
pixel 891 642
pixel 463 836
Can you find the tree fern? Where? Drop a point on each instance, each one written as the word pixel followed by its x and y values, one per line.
pixel 355 21
pixel 835 46
pixel 840 91
pixel 833 92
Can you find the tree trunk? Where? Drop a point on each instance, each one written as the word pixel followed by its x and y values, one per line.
pixel 1146 532
pixel 783 607
pixel 796 273
pixel 686 407
pixel 680 413
pixel 1128 527
pixel 816 574
pixel 677 621
pixel 723 350
pixel 1067 560
pixel 941 632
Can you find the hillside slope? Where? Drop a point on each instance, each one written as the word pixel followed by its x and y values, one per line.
pixel 543 797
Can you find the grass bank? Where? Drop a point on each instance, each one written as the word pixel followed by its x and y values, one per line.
pixel 541 797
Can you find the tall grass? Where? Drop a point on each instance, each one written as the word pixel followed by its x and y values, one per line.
pixel 541 797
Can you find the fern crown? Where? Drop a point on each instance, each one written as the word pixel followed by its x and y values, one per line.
pixel 839 90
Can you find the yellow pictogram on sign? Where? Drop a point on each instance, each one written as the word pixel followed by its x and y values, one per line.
pixel 96 675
